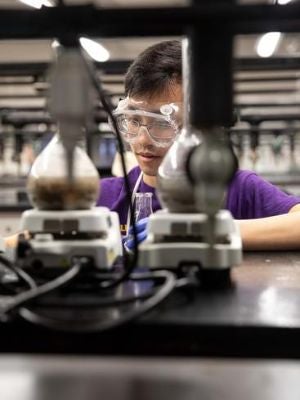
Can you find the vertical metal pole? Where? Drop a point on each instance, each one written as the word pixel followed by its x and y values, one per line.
pixel 211 75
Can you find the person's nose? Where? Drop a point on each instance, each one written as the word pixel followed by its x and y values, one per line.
pixel 143 135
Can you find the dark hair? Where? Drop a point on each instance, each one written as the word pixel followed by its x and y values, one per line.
pixel 157 68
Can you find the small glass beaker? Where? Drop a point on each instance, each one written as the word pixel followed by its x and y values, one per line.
pixel 143 205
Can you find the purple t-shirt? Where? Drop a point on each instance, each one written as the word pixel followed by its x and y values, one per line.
pixel 248 196
pixel 113 195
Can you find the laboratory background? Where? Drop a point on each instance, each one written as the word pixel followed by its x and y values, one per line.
pixel 82 318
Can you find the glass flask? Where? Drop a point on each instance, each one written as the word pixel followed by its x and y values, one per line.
pixel 175 192
pixel 49 187
pixel 143 205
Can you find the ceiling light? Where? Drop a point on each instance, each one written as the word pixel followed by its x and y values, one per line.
pixel 38 3
pixel 55 44
pixel 282 2
pixel 94 49
pixel 267 44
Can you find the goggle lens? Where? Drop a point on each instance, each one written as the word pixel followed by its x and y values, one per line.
pixel 160 130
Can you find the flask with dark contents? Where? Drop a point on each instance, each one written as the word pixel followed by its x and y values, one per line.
pixel 60 194
pixel 49 187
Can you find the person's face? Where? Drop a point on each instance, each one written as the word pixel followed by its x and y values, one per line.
pixel 148 155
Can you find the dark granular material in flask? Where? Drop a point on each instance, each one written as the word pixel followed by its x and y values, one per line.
pixel 60 194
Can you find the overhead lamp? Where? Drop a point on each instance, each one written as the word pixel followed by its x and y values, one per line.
pixel 55 44
pixel 282 2
pixel 267 44
pixel 38 3
pixel 94 49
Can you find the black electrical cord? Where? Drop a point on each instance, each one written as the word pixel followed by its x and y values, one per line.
pixel 105 302
pixel 28 295
pixel 130 260
pixel 20 273
pixel 99 325
pixel 72 301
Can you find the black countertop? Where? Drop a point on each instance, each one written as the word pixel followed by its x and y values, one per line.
pixel 258 316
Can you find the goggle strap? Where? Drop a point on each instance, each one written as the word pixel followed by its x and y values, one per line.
pixel 143 114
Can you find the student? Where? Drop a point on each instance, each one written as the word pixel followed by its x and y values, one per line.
pixel 268 218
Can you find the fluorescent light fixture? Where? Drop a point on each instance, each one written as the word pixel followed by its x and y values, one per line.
pixel 282 2
pixel 94 49
pixel 55 44
pixel 37 3
pixel 267 44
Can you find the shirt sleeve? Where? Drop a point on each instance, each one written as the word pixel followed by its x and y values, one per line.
pixel 250 196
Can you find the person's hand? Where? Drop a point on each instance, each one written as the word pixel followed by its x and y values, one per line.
pixel 12 241
pixel 141 229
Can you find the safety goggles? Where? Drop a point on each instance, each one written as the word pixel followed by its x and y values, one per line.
pixel 162 124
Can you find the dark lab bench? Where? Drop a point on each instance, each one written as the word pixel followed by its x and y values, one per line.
pixel 258 316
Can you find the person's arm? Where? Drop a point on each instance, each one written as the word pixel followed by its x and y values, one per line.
pixel 11 242
pixel 280 232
